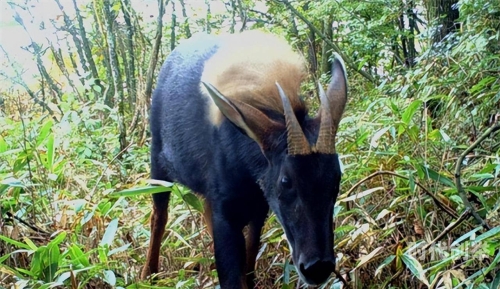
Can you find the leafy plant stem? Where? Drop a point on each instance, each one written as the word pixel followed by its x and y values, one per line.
pixel 458 168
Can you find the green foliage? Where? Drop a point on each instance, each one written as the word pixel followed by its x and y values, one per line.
pixel 75 203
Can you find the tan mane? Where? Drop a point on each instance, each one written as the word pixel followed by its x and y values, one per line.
pixel 247 66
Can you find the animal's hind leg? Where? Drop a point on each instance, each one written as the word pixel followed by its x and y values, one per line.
pixel 159 219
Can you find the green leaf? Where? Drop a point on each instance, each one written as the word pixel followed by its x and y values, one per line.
pixel 15 243
pixel 410 111
pixel 109 277
pixel 110 232
pixel 3 145
pixel 465 236
pixel 49 271
pixel 192 200
pixel 50 153
pixel 142 190
pixel 415 267
pixel 433 175
pixel 495 232
pixel 57 240
pixel 77 254
pixel 411 180
pixel 44 132
pixel 496 282
pixel 482 84
pixel 286 275
pixel 4 257
pixel 384 263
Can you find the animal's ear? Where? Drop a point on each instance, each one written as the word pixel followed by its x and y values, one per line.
pixel 251 120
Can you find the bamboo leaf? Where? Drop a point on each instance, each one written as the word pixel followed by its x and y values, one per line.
pixel 415 268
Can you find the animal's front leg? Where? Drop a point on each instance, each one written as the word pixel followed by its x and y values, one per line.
pixel 229 251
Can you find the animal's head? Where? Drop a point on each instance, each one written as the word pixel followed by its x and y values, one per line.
pixel 302 179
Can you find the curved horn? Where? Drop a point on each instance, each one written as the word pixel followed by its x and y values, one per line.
pixel 332 106
pixel 297 142
pixel 326 135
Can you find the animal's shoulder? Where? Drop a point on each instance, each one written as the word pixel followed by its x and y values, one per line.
pixel 246 67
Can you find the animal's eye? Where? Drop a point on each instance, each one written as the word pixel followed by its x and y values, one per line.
pixel 286 183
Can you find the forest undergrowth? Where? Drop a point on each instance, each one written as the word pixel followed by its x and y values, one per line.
pixel 420 145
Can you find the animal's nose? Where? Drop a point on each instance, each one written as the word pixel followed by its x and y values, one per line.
pixel 316 272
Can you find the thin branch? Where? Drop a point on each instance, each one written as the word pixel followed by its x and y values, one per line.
pixel 350 63
pixel 448 229
pixel 438 202
pixel 32 227
pixel 458 168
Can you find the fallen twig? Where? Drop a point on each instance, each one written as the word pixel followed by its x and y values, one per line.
pixel 341 278
pixel 32 227
pixel 448 229
pixel 438 202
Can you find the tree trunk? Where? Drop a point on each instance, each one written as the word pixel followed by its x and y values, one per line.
pixel 208 17
pixel 129 53
pixel 156 49
pixel 233 16
pixel 109 92
pixel 58 57
pixel 443 14
pixel 348 61
pixel 115 71
pixel 172 28
pixel 86 46
pixel 187 30
pixel 326 52
pixel 243 15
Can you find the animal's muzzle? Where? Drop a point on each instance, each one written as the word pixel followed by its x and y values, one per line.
pixel 316 271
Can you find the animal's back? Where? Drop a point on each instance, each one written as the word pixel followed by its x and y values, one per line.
pixel 177 114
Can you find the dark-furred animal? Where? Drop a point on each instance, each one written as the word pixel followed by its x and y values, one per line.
pixel 227 121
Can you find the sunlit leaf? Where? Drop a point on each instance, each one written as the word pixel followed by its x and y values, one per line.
pixel 494 232
pixel 109 277
pixel 367 258
pixel 377 136
pixel 410 111
pixel 44 132
pixel 361 195
pixel 110 232
pixel 141 190
pixel 415 268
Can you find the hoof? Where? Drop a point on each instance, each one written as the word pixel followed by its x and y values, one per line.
pixel 145 273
